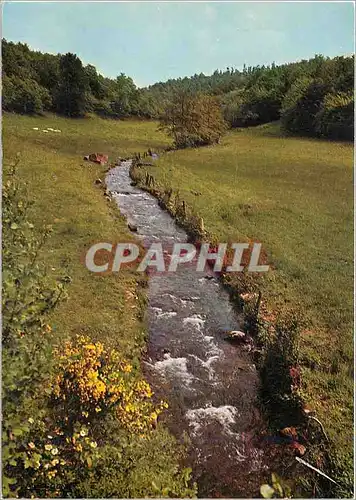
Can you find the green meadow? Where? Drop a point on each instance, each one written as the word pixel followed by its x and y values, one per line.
pixel 295 196
pixel 62 188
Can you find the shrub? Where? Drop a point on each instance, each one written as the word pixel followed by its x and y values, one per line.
pixel 193 120
pixel 302 104
pixel 336 118
pixel 93 380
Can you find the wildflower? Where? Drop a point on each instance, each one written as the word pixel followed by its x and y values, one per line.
pixel 50 437
pixel 55 461
pixel 90 347
pixel 31 421
pixel 54 451
pixel 48 447
pixel 83 432
pixel 93 444
pixel 31 445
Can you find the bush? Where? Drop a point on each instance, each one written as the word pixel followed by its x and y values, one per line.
pixel 301 106
pixel 193 120
pixel 94 381
pixel 336 118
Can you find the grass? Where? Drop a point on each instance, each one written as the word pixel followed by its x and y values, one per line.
pixel 62 188
pixel 106 308
pixel 294 195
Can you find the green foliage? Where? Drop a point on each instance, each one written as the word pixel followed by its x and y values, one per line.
pixel 25 96
pixel 336 117
pixel 277 365
pixel 279 489
pixel 193 120
pixel 35 82
pixel 302 106
pixel 295 92
pixel 70 97
pixel 136 467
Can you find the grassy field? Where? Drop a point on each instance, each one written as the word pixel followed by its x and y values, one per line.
pixel 61 186
pixel 107 308
pixel 296 197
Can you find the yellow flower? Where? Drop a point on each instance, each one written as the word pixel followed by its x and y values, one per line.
pixel 90 347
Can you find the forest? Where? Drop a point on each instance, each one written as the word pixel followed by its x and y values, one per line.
pixel 311 97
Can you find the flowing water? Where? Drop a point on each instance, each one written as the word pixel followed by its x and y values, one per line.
pixel 210 384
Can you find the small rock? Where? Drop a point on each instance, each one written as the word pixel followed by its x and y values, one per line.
pixel 132 227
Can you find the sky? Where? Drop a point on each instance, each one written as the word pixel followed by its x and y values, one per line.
pixel 155 41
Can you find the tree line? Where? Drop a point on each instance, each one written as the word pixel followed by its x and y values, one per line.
pixel 311 97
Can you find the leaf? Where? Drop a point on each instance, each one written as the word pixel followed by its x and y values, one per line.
pixel 266 491
pixel 14 226
pixel 89 462
pixel 17 431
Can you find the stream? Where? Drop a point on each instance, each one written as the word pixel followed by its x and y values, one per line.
pixel 211 385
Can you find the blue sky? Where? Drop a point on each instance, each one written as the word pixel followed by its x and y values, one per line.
pixel 155 41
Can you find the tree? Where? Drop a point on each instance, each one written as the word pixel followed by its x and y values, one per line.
pixel 124 96
pixel 24 96
pixel 71 99
pixel 302 105
pixel 193 120
pixel 336 117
